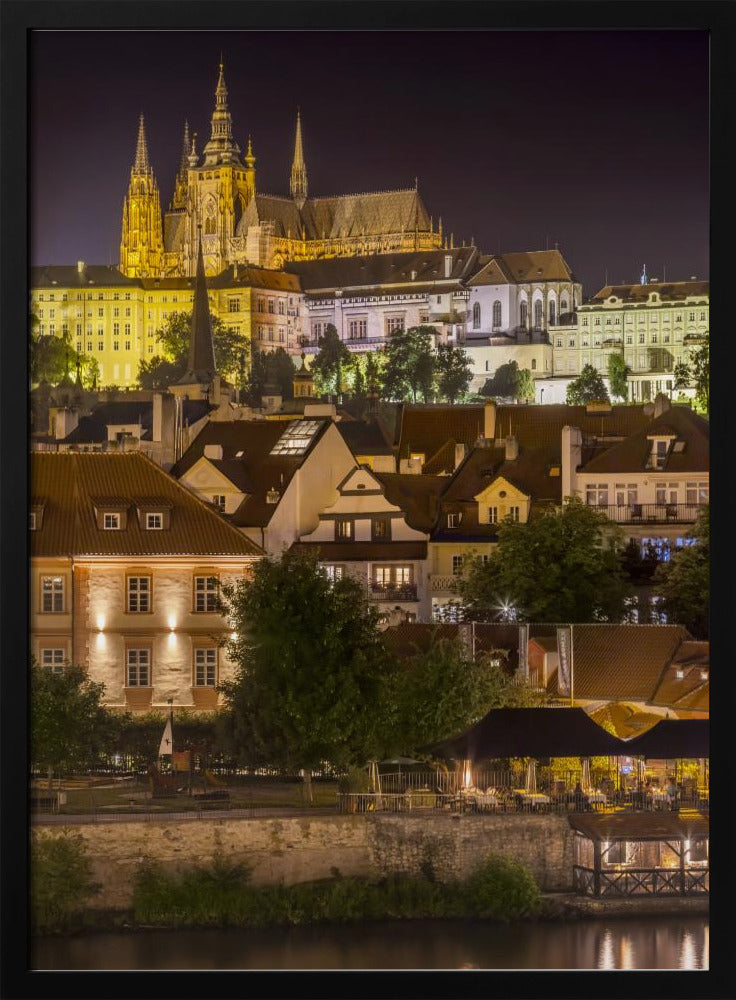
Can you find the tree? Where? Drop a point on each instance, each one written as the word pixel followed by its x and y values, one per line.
pixel 503 383
pixel 359 391
pixel 454 371
pixel 442 691
pixel 312 671
pixel 683 583
pixel 700 368
pixel 410 364
pixel 637 567
pixel 331 360
pixel 523 384
pixel 70 727
pixel 681 376
pixel 588 387
pixel 618 376
pixel 52 358
pixel 173 338
pixel 562 566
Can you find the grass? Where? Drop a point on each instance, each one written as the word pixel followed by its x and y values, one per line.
pixel 85 798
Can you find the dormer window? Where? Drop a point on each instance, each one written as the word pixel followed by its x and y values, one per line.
pixel 453 520
pixel 111 522
pixel 154 521
pixel 272 496
pixel 344 530
pixel 679 673
pixel 704 675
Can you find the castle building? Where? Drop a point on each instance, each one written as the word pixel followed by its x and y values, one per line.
pixel 217 191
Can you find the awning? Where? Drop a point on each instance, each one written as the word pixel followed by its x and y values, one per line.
pixel 672 738
pixel 662 825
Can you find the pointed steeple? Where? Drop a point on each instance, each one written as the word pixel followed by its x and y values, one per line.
pixel 221 148
pixel 142 164
pixel 184 161
pixel 179 201
pixel 201 367
pixel 298 167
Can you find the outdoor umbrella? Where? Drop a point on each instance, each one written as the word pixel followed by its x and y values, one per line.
pixel 585 782
pixel 531 776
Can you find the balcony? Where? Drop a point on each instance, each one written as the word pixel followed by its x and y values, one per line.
pixel 443 583
pixel 388 592
pixel 651 513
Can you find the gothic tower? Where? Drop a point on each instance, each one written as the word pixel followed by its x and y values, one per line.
pixel 141 246
pixel 298 168
pixel 179 201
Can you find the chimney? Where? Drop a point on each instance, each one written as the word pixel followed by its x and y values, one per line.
pixel 460 452
pixel 572 454
pixel 448 265
pixel 661 405
pixel 213 451
pixel 413 275
pixel 81 266
pixel 512 448
pixel 63 420
pixel 158 417
pixel 489 420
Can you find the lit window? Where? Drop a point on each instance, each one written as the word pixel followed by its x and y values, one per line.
pixel 493 515
pixel 344 529
pixel 139 594
pixel 333 572
pixel 453 520
pixel 205 667
pixel 206 593
pixel 32 521
pixel 154 522
pixel 596 495
pixel 138 668
pixel 111 522
pixel 52 594
pixel 513 513
pixel 53 659
pixel 457 565
pixel 380 529
pixel 219 501
pixel 297 438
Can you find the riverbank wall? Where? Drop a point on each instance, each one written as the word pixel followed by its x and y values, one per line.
pixel 304 848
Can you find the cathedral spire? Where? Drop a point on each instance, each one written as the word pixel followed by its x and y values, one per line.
pixel 201 367
pixel 221 148
pixel 142 164
pixel 298 167
pixel 179 201
pixel 184 161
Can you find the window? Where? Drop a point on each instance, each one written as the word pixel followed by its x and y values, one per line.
pixel 116 311
pixel 53 659
pixel 626 495
pixel 457 565
pixel 127 329
pixel 317 330
pixel 333 572
pixel 513 513
pixel 702 316
pixel 629 338
pixel 585 321
pixel 206 593
pixel 219 501
pixel 453 520
pixel 654 336
pixel 357 329
pixel 127 345
pixel 596 495
pixel 691 317
pixel 138 672
pixel 538 314
pixel 534 364
pixel 271 305
pixel 597 321
pixel 392 576
pixel 344 530
pixel 696 493
pixel 205 666
pixel 380 529
pixel 281 307
pixel 497 315
pixel 552 313
pixel 116 345
pixel 100 345
pixel 493 515
pixel 261 304
pixel 100 312
pixel 394 324
pixel 476 315
pixel 559 342
pixel 523 314
pixel 154 522
pixel 571 342
pixel 138 594
pixel 32 523
pixel 111 522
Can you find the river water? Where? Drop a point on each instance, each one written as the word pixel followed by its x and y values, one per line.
pixel 644 943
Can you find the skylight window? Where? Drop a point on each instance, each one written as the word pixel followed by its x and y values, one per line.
pixel 297 438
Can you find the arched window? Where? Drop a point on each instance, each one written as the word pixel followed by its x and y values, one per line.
pixel 538 314
pixel 563 306
pixel 552 312
pixel 523 315
pixel 476 315
pixel 496 315
pixel 534 364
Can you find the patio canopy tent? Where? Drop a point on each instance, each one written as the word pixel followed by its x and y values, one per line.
pixel 672 738
pixel 531 732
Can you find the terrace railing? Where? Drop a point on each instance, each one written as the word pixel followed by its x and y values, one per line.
pixel 386 592
pixel 650 513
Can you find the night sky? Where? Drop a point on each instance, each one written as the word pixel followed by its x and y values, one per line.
pixel 595 140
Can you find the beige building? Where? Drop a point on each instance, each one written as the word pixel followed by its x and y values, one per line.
pixel 126 570
pixel 653 326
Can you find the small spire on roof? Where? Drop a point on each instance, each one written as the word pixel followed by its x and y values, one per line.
pixel 141 164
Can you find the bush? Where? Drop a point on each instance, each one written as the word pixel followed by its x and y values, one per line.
pixel 501 889
pixel 61 881
pixel 355 780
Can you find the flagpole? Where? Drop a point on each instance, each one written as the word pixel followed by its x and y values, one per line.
pixel 572 668
pixel 171 723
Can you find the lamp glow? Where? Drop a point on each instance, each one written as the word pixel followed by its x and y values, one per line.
pixel 101 623
pixel 172 622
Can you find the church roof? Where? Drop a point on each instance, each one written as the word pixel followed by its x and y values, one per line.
pixel 387 269
pixel 282 212
pixel 255 277
pixel 174 230
pixel 537 265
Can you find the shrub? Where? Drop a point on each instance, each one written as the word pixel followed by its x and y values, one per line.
pixel 501 889
pixel 61 881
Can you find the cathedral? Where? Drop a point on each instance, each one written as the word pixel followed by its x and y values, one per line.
pixel 216 190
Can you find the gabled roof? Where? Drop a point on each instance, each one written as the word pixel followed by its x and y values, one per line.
pixel 92 428
pixel 493 271
pixel 676 291
pixel 418 496
pixel 255 277
pixel 691 691
pixel 69 484
pixel 660 825
pixel 620 662
pixel 529 472
pixel 632 454
pixel 537 265
pixel 424 429
pixel 365 437
pixel 69 276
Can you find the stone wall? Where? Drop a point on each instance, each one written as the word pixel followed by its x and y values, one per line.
pixel 303 848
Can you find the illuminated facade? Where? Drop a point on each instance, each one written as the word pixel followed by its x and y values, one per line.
pixel 217 191
pixel 126 567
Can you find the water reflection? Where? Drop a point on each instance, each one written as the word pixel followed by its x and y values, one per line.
pixel 651 943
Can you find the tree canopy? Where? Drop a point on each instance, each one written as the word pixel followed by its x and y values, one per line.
pixel 312 671
pixel 331 361
pixel 588 387
pixel 684 582
pixel 409 364
pixel 173 338
pixel 454 372
pixel 618 376
pixel 502 385
pixel 271 367
pixel 562 566
pixel 523 384
pixel 69 725
pixel 700 371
